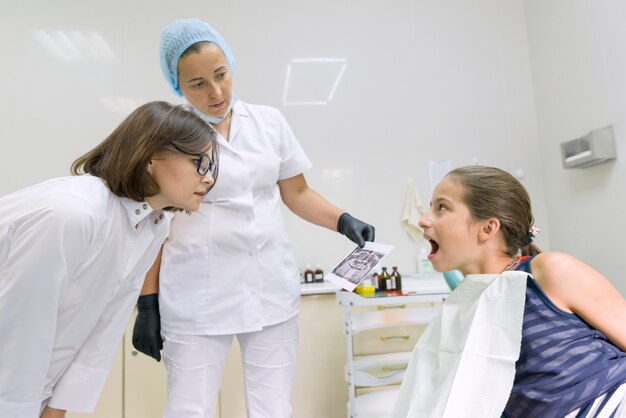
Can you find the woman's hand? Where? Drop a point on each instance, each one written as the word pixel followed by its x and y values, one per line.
pixel 357 231
pixel 50 412
pixel 147 329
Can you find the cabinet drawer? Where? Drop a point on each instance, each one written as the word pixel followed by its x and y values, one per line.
pixel 387 340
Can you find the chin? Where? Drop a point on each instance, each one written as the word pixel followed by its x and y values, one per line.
pixel 192 208
pixel 218 115
pixel 440 267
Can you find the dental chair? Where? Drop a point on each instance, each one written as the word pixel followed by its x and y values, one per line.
pixel 453 278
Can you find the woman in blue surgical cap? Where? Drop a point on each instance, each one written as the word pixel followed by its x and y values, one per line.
pixel 228 270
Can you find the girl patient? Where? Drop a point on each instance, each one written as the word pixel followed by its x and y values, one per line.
pixel 572 361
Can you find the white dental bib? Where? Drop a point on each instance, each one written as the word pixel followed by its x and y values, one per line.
pixel 463 365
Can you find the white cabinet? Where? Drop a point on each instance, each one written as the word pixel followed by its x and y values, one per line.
pixel 380 334
pixel 145 389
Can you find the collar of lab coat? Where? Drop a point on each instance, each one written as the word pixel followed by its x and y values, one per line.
pixel 136 211
pixel 237 118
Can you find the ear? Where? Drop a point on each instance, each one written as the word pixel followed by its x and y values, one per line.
pixel 149 168
pixel 488 229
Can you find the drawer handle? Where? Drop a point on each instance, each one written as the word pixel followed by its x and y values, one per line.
pixel 395 337
pixel 394 368
pixel 381 307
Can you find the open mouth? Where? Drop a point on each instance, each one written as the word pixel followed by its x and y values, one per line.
pixel 434 247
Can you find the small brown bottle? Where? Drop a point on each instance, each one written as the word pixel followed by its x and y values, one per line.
pixel 398 279
pixel 318 274
pixel 309 275
pixel 384 280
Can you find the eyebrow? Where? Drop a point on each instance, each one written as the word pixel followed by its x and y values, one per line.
pixel 191 80
pixel 442 199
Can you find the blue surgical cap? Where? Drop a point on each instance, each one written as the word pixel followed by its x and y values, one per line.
pixel 180 35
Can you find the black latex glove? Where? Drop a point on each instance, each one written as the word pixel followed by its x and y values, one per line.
pixel 356 231
pixel 147 329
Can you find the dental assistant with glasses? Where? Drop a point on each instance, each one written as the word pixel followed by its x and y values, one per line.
pixel 74 252
pixel 229 270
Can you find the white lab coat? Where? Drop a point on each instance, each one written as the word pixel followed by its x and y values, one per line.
pixel 72 261
pixel 229 268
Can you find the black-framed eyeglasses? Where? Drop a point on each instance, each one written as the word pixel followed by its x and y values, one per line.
pixel 204 164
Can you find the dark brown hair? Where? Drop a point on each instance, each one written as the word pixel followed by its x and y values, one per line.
pixel 493 193
pixel 195 48
pixel 121 160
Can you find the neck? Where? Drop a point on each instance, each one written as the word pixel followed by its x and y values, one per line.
pixel 224 126
pixel 490 265
pixel 154 203
pixel 511 265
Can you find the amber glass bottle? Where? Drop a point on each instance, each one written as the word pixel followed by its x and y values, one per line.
pixel 318 274
pixel 398 278
pixel 384 280
pixel 309 275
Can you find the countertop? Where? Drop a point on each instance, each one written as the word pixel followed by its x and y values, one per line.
pixel 318 288
pixel 411 282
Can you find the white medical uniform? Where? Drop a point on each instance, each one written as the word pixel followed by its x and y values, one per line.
pixel 228 268
pixel 72 261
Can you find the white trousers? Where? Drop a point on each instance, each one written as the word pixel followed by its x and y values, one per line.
pixel 195 364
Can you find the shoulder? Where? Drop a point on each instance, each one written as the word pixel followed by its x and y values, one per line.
pixel 259 111
pixel 90 191
pixel 61 205
pixel 79 199
pixel 551 271
pixel 552 262
pixel 564 278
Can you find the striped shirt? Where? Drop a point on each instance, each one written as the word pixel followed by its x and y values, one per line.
pixel 564 363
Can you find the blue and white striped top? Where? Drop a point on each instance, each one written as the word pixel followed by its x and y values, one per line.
pixel 564 363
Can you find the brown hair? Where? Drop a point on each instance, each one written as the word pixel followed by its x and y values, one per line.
pixel 195 48
pixel 493 193
pixel 122 159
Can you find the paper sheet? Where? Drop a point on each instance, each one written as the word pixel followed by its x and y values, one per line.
pixel 463 364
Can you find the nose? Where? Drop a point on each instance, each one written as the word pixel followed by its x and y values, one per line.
pixel 424 221
pixel 215 90
pixel 208 179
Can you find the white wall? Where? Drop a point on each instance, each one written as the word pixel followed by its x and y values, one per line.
pixel 578 60
pixel 424 80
